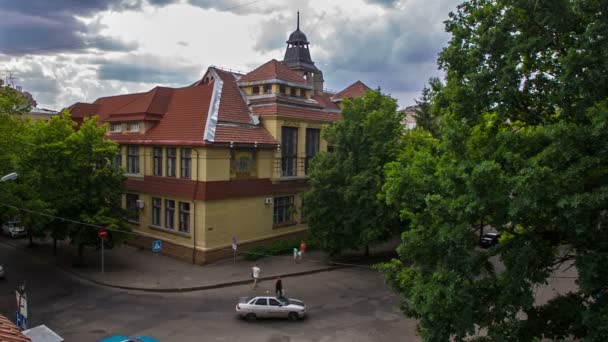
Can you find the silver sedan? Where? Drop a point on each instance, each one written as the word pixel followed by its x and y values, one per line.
pixel 252 308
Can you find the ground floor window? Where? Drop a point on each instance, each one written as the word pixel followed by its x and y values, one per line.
pixel 283 210
pixel 184 217
pixel 132 210
pixel 156 209
pixel 169 214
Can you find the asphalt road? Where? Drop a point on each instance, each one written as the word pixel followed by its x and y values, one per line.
pixel 344 305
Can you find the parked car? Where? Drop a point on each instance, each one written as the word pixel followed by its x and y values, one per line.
pixel 13 229
pixel 121 338
pixel 252 308
pixel 1 272
pixel 489 239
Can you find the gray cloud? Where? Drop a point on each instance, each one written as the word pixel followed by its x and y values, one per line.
pixel 243 7
pixel 385 3
pixel 45 27
pixel 148 69
pixel 268 38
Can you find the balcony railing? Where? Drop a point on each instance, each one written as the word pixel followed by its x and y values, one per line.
pixel 292 167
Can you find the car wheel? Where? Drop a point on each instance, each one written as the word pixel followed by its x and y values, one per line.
pixel 250 317
pixel 293 316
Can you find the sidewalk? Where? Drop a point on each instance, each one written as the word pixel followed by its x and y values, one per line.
pixel 129 268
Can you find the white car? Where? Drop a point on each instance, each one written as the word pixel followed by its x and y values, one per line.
pixel 13 229
pixel 1 272
pixel 252 308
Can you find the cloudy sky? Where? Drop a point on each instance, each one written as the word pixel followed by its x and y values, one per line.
pixel 65 51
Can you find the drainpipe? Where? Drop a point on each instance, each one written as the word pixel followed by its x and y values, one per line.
pixel 194 207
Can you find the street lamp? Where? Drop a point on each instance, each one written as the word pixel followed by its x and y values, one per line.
pixel 10 176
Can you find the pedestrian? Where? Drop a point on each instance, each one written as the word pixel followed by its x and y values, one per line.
pixel 295 254
pixel 255 274
pixel 279 287
pixel 302 249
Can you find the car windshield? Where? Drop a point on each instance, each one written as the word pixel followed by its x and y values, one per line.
pixel 287 301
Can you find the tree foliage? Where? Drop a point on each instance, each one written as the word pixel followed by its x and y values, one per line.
pixel 427 117
pixel 343 207
pixel 64 171
pixel 522 148
pixel 71 172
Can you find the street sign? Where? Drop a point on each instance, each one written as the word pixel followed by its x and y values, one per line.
pixel 157 246
pixel 21 321
pixel 102 233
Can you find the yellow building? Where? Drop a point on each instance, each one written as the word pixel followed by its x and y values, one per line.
pixel 224 157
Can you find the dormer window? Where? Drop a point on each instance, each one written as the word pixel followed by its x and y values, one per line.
pixel 292 91
pixel 282 89
pixel 256 90
pixel 133 127
pixel 115 127
pixel 267 88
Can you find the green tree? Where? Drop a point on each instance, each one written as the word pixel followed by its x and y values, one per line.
pixel 71 173
pixel 426 116
pixel 13 129
pixel 523 148
pixel 343 207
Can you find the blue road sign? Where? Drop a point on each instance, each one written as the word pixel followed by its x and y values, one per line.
pixel 21 321
pixel 157 245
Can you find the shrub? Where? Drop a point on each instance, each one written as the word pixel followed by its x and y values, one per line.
pixel 275 248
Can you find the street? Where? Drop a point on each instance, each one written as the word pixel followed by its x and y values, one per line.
pixel 350 304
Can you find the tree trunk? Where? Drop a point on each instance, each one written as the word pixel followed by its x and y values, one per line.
pixel 366 250
pixel 79 262
pixel 54 246
pixel 31 237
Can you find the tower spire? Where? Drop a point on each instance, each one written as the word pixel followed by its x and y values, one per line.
pixel 298 20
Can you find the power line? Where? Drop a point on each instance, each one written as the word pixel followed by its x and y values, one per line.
pixel 237 6
pixel 90 225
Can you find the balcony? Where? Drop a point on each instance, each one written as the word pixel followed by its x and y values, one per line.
pixel 291 167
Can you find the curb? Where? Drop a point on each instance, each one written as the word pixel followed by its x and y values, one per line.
pixel 172 289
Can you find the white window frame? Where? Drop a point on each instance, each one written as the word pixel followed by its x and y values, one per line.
pixel 131 126
pixel 115 127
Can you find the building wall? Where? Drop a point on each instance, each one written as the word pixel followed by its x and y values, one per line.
pixel 217 215
pixel 249 219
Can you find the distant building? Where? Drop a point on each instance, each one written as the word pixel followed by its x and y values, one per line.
pixel 41 114
pixel 225 156
pixel 409 121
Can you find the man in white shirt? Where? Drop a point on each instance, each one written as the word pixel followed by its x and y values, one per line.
pixel 255 273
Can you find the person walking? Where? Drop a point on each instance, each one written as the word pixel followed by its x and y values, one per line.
pixel 302 250
pixel 279 287
pixel 255 273
pixel 295 254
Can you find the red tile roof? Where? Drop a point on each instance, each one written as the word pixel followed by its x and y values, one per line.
pixel 181 114
pixel 80 109
pixel 273 70
pixel 10 333
pixel 155 101
pixel 232 105
pixel 296 112
pixel 354 90
pixel 243 134
pixel 325 101
pixel 186 115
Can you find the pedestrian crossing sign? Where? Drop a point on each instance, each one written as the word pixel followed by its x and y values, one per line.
pixel 157 246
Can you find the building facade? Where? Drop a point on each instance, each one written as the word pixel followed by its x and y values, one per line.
pixel 224 157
